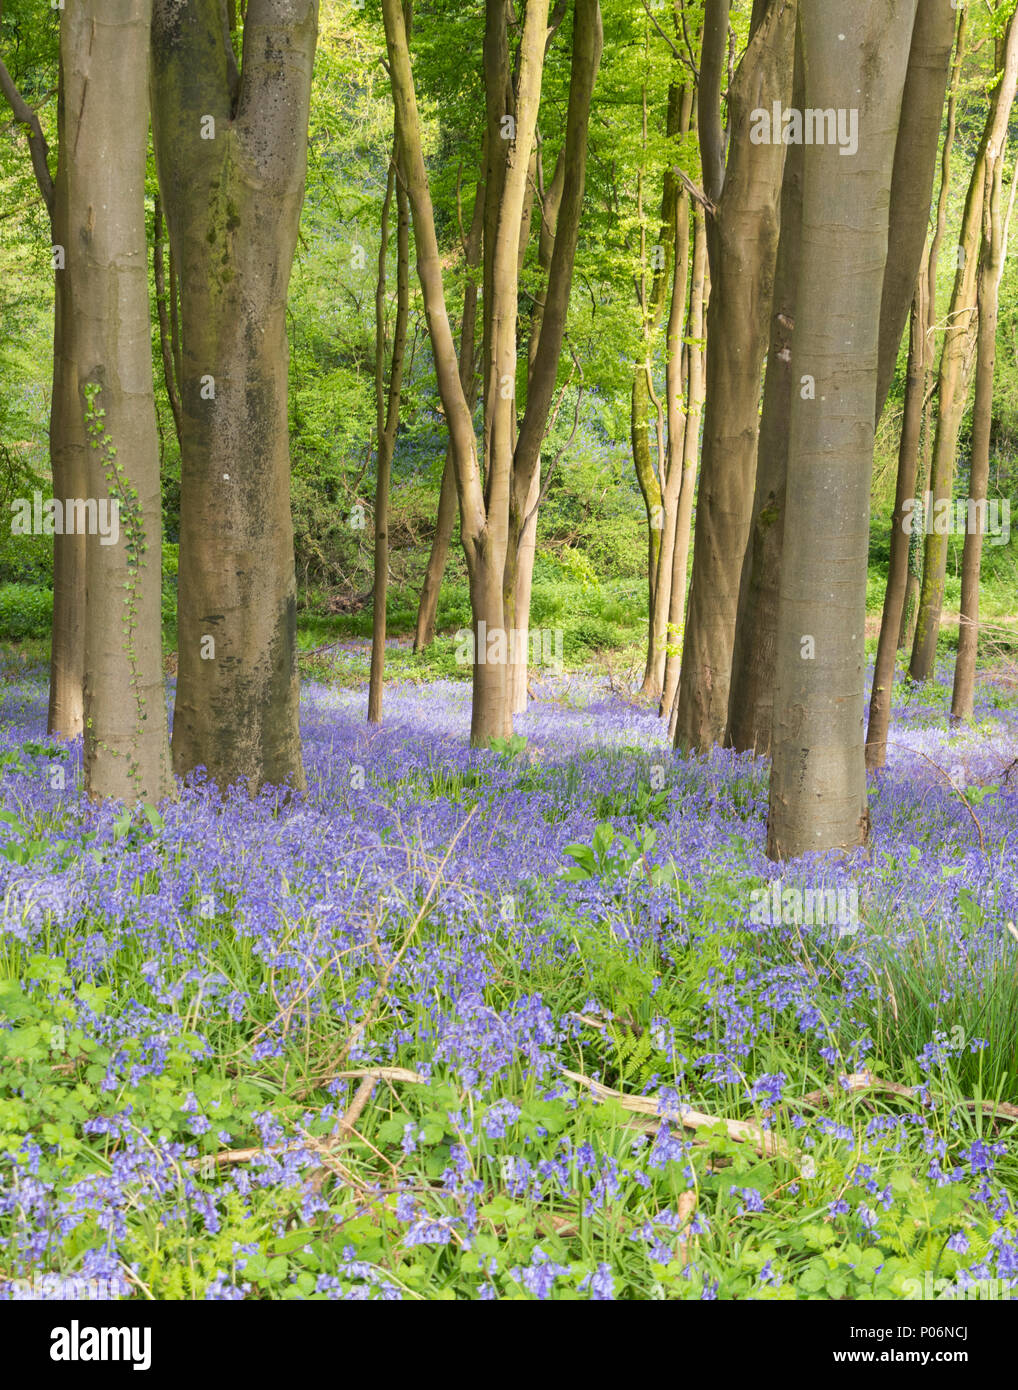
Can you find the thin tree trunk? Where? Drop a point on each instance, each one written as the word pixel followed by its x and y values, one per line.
pixel 562 235
pixel 483 519
pixel 427 611
pixel 69 467
pixel 751 698
pixel 674 464
pixel 955 367
pixel 910 608
pixel 231 156
pixel 525 554
pixel 854 56
pixel 105 46
pixel 162 310
pixel 68 464
pixel 387 419
pixel 904 500
pixel 915 162
pixel 695 377
pixel 742 241
pixel 670 284
pixel 526 549
pixel 991 266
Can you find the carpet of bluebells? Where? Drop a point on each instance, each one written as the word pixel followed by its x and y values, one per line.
pixel 445 948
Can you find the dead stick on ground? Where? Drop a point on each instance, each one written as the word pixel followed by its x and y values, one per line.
pixel 742 1131
pixel 368 1075
pixel 866 1081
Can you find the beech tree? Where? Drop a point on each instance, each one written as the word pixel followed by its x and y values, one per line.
pixel 742 240
pixel 692 373
pixel 855 56
pixel 956 362
pixel 492 515
pixel 661 284
pixel 751 696
pixel 996 222
pixel 387 417
pixel 876 737
pixel 231 153
pixel 445 520
pixel 67 447
pixel 104 48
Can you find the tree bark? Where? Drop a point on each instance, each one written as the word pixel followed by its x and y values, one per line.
pixel 751 698
pixel 915 161
pixel 694 352
pixel 231 154
pixel 105 46
pixel 854 56
pixel 897 571
pixel 742 244
pixel 913 576
pixel 660 486
pixel 561 236
pixel 956 364
pixel 483 545
pixel 387 419
pixel 66 429
pixel 674 474
pixel 991 266
pixel 165 319
pixel 427 611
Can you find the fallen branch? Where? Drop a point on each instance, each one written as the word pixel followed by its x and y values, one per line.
pixel 766 1144
pixel 866 1081
pixel 369 1077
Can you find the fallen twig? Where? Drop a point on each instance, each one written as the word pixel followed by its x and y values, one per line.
pixel 866 1081
pixel 742 1131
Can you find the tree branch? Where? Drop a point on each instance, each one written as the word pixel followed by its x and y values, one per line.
pixel 38 148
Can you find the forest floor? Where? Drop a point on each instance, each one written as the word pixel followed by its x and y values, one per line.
pixel 528 1023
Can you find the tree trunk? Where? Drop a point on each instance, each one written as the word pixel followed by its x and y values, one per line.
pixel 751 699
pixel 231 154
pixel 955 367
pixel 525 555
pixel 991 265
pixel 694 350
pixel 104 47
pixel 518 603
pixel 68 464
pixel 904 500
pixel 742 242
pixel 427 611
pixel 483 545
pixel 559 233
pixel 915 162
pixel 163 312
pixel 647 477
pixel 674 474
pixel 670 283
pixel 387 420
pixel 910 607
pixel 854 57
